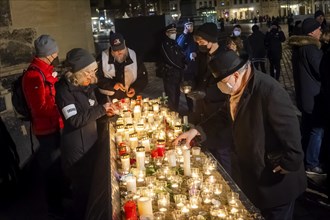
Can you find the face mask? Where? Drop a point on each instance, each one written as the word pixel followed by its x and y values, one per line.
pixel 203 48
pixel 226 88
pixel 172 36
pixel 237 33
pixel 55 62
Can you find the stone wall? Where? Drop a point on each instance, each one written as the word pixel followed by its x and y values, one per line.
pixel 22 21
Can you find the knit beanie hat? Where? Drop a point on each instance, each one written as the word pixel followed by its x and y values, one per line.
pixel 309 25
pixel 78 58
pixel 208 31
pixel 45 45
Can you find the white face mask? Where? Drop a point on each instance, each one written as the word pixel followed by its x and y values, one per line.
pixel 237 33
pixel 226 88
pixel 172 36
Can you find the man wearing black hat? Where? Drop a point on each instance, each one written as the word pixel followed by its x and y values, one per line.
pixel 266 136
pixel 189 47
pixel 306 59
pixel 119 75
pixel 174 64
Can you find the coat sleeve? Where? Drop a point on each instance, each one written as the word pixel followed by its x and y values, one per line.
pixel 73 113
pixel 285 126
pixel 314 57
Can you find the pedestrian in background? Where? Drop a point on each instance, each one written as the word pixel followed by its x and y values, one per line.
pixel 319 17
pixel 256 97
pixel 39 90
pixel 306 58
pixel 273 42
pixel 257 50
pixel 173 66
pixel 189 47
pixel 76 99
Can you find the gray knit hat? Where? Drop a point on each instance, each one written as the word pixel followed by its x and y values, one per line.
pixel 45 45
pixel 78 58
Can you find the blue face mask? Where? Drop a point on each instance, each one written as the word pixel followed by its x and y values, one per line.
pixel 237 33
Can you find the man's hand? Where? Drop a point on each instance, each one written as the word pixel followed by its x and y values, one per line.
pixel 280 170
pixel 119 86
pixel 188 135
pixel 192 56
pixel 130 93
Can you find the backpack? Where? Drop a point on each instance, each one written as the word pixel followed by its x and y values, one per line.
pixel 18 97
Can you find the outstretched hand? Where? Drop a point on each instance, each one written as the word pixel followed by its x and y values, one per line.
pixel 188 135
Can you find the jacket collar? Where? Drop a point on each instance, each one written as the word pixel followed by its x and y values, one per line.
pixel 43 66
pixel 303 40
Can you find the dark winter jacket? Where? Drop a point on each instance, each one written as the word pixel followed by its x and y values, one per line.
pixel 80 111
pixel 172 54
pixel 40 97
pixel 266 123
pixel 306 58
pixel 273 42
pixel 256 48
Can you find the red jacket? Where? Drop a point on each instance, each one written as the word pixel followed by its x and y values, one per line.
pixel 40 97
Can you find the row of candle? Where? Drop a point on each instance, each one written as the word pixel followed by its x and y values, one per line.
pixel 197 187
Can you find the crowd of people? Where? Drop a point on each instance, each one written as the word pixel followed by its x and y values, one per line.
pixel 244 116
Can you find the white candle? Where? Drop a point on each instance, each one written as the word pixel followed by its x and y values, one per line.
pixel 131 184
pixel 146 143
pixel 155 107
pixel 145 206
pixel 125 162
pixel 140 157
pixel 186 163
pixel 137 112
pixel 171 158
pixel 133 139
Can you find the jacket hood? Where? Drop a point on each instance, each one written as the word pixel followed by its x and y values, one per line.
pixel 299 41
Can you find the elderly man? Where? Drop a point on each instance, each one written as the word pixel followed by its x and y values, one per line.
pixel 120 74
pixel 266 136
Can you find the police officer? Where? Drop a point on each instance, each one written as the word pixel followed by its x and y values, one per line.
pixel 173 66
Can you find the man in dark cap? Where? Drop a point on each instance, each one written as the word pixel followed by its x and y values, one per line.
pixel 306 59
pixel 266 136
pixel 189 47
pixel 120 74
pixel 80 110
pixel 39 90
pixel 173 66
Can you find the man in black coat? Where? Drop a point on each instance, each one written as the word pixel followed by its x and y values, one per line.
pixel 266 136
pixel 257 50
pixel 273 42
pixel 306 58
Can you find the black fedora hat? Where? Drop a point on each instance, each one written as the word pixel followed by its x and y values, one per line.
pixel 226 63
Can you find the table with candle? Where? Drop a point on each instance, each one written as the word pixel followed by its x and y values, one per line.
pixel 193 186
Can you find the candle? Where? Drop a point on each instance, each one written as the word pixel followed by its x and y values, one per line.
pixel 140 157
pixel 125 162
pixel 195 151
pixel 145 206
pixel 140 176
pixel 160 147
pixel 171 158
pixel 131 184
pixel 137 112
pixel 155 107
pixel 134 142
pixel 145 141
pixel 186 163
pixel 163 204
pixel 130 210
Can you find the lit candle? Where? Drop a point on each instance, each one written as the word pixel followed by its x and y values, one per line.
pixel 145 206
pixel 163 204
pixel 195 151
pixel 185 209
pixel 171 158
pixel 160 147
pixel 155 107
pixel 133 139
pixel 125 162
pixel 186 163
pixel 140 176
pixel 145 141
pixel 131 184
pixel 140 157
pixel 130 210
pixel 137 112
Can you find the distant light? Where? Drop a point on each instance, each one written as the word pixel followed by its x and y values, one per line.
pixel 102 18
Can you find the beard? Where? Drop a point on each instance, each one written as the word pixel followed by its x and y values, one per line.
pixel 120 58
